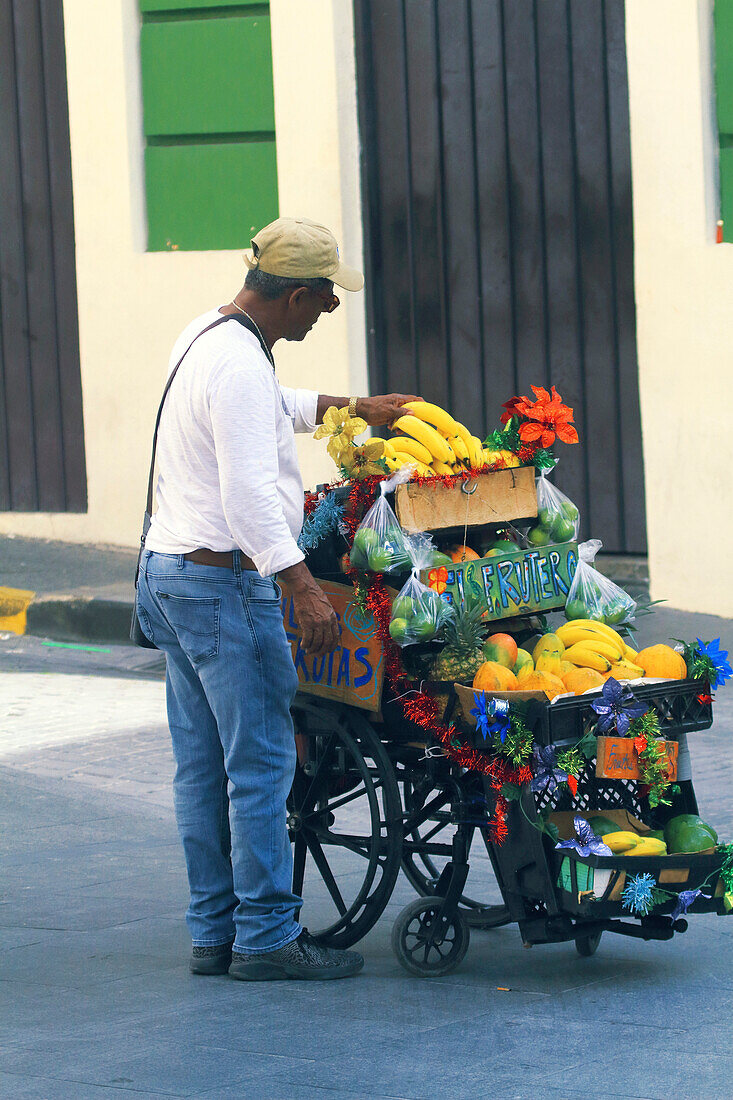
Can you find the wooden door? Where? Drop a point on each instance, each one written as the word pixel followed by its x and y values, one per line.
pixel 499 240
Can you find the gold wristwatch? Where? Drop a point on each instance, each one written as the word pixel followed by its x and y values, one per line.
pixel 352 405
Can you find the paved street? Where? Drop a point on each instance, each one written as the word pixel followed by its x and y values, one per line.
pixel 97 1000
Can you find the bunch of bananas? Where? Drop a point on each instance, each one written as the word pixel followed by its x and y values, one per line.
pixel 590 644
pixel 431 440
pixel 631 844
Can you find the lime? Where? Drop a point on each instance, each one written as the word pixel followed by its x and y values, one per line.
pixel 380 560
pixel 576 609
pixel 423 627
pixel 439 559
pixel 546 516
pixel 562 529
pixel 397 630
pixel 366 539
pixel 502 546
pixel 615 612
pixel 403 607
pixel 538 536
pixel 569 510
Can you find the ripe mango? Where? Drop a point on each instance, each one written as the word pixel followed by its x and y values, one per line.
pixel 549 662
pixel 524 660
pixel 548 643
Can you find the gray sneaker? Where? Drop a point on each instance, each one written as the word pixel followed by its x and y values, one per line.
pixel 211 960
pixel 302 958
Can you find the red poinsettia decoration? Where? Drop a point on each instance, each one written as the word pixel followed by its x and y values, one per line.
pixel 546 418
pixel 542 419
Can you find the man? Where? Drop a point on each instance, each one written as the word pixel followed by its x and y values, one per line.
pixel 229 511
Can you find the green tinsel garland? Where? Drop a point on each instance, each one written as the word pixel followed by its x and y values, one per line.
pixel 517 746
pixel 646 726
pixel 726 870
pixel 544 459
pixel 571 761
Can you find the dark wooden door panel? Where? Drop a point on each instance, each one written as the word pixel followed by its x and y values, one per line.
pixel 497 183
pixel 42 465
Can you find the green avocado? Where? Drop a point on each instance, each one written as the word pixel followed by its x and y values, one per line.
pixel 689 833
pixel 602 825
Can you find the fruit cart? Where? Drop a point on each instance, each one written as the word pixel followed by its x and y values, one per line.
pixel 375 793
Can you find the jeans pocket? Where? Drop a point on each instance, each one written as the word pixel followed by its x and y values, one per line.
pixel 195 622
pixel 264 590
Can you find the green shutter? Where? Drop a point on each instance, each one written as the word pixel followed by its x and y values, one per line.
pixel 723 19
pixel 209 123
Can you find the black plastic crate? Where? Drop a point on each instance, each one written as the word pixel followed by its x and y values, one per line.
pixel 676 701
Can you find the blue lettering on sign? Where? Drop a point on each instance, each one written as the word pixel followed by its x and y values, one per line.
pixel 299 661
pixel 506 588
pixel 459 584
pixel 319 667
pixel 557 582
pixel 532 558
pixel 522 571
pixel 488 578
pixel 544 579
pixel 572 564
pixel 362 656
pixel 344 672
pixel 290 616
pixel 331 656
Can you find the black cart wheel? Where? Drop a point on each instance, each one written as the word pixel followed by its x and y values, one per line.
pixel 588 945
pixel 345 820
pixel 420 947
pixel 421 865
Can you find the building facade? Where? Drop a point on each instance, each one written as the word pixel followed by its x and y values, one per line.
pixel 175 108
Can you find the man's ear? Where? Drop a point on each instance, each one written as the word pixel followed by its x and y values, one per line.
pixel 296 298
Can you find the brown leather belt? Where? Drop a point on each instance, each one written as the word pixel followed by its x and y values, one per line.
pixel 222 558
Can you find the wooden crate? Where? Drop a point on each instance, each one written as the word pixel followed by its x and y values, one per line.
pixel 354 672
pixel 495 497
pixel 617 758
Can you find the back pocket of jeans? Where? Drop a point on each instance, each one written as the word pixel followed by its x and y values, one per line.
pixel 195 622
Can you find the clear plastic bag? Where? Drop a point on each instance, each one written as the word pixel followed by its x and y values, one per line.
pixel 418 613
pixel 593 596
pixel 558 520
pixel 379 541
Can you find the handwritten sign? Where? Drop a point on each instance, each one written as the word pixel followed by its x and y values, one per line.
pixel 617 759
pixel 354 672
pixel 516 583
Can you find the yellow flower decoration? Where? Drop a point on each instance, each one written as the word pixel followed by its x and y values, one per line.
pixel 338 423
pixel 359 462
pixel 337 447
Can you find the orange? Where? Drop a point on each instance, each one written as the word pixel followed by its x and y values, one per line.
pixel 581 679
pixel 543 681
pixel 662 661
pixel 492 676
pixel 462 553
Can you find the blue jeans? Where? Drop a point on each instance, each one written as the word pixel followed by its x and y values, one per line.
pixel 230 681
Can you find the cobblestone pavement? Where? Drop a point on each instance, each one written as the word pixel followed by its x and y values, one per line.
pixel 96 1000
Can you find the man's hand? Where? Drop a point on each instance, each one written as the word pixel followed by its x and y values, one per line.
pixel 383 408
pixel 319 626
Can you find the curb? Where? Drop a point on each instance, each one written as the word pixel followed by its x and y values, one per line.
pixel 80 619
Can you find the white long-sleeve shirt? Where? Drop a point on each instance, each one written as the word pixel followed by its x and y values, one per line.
pixel 228 471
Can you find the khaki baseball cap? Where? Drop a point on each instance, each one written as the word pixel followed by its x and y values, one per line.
pixel 296 248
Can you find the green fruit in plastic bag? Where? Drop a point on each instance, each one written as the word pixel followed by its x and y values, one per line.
pixel 380 559
pixel 562 529
pixel 397 630
pixel 423 627
pixel 502 546
pixel 538 536
pixel 576 609
pixel 569 510
pixel 546 517
pixel 615 612
pixel 403 607
pixel 439 559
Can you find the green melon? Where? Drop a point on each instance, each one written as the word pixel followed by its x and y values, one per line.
pixel 688 833
pixel 602 825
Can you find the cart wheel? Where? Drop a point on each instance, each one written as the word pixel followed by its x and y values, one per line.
pixel 413 946
pixel 588 945
pixel 421 870
pixel 345 820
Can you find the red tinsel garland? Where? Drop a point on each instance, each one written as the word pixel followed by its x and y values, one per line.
pixel 420 706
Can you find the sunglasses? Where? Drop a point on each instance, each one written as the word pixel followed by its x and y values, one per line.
pixel 332 302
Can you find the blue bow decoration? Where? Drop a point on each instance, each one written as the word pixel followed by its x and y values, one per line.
pixel 587 844
pixel 491 720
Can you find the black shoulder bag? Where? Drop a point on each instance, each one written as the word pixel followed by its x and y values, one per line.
pixel 137 636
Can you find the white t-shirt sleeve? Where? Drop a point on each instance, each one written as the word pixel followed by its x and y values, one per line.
pixel 242 409
pixel 302 406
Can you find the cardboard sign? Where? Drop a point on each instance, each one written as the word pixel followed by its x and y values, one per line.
pixel 617 758
pixel 494 497
pixel 519 582
pixel 354 672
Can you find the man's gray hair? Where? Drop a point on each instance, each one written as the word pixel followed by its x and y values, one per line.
pixel 275 286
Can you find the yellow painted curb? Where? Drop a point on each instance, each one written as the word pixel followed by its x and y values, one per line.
pixel 14 604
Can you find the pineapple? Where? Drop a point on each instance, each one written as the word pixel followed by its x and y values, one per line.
pixel 463 654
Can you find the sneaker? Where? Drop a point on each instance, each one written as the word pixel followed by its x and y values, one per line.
pixel 211 960
pixel 302 958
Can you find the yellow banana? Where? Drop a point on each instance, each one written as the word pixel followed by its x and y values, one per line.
pixel 392 463
pixel 389 451
pixel 452 457
pixel 649 846
pixel 602 644
pixel 599 628
pixel 433 414
pixel 624 670
pixel 621 841
pixel 630 653
pixel 458 447
pixel 571 633
pixel 510 459
pixel 411 447
pixel 442 467
pixel 425 434
pixel 580 655
pixel 491 456
pixel 476 453
pixel 464 433
pixel 405 459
